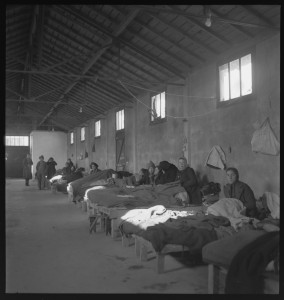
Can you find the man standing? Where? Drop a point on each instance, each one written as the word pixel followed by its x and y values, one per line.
pixel 27 164
pixel 41 169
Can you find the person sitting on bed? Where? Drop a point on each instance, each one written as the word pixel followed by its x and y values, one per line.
pixel 151 169
pixel 188 181
pixel 94 168
pixel 143 177
pixel 241 191
pixel 167 173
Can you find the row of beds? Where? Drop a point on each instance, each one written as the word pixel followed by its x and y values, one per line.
pixel 151 218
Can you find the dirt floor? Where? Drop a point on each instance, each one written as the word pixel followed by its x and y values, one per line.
pixel 49 250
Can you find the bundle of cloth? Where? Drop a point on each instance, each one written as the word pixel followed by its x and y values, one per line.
pixel 119 195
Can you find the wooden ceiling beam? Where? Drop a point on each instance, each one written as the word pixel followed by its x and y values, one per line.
pixel 172 55
pixel 257 15
pixel 201 26
pixel 237 28
pixel 93 24
pixel 97 55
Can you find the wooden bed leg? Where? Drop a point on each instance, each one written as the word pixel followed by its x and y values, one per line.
pixel 103 223
pixel 94 223
pixel 213 279
pixel 125 241
pixel 137 246
pixel 143 251
pixel 160 262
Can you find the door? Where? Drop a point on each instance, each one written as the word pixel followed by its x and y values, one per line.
pixel 14 160
pixel 120 150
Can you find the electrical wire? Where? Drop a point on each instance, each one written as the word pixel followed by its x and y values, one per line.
pixel 169 116
pixel 199 97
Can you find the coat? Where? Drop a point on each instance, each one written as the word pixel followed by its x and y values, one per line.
pixel 27 164
pixel 41 168
pixel 240 190
pixel 169 175
pixel 188 181
pixel 51 169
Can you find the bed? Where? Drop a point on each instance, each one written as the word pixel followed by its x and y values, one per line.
pixel 192 232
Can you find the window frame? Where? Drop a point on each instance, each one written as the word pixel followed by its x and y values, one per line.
pixel 98 136
pixel 18 140
pixel 82 140
pixel 121 129
pixel 158 120
pixel 72 138
pixel 228 60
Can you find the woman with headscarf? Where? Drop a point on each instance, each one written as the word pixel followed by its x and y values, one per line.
pixel 188 181
pixel 241 191
pixel 167 173
pixel 51 163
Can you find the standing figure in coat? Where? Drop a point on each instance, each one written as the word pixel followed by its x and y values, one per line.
pixel 167 173
pixel 240 190
pixel 41 170
pixel 188 180
pixel 51 163
pixel 27 172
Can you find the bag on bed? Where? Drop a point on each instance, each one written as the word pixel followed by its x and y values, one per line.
pixel 264 140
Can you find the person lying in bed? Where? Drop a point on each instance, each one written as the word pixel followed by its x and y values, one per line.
pixel 241 191
pixel 167 173
pixel 188 181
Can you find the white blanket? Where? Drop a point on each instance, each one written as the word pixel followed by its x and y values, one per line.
pixel 273 203
pixel 231 208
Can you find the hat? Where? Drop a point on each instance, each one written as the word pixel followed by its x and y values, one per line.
pixel 150 164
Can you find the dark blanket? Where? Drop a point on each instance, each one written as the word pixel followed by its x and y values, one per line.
pixel 140 196
pixel 246 269
pixel 82 184
pixel 191 231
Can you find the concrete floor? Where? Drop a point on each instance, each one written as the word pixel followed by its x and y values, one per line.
pixel 49 250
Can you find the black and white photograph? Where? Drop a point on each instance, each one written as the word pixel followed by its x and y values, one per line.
pixel 142 149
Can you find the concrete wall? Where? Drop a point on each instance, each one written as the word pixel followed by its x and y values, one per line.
pixel 204 126
pixel 232 127
pixel 49 144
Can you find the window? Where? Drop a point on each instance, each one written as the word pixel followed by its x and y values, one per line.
pixel 235 78
pixel 120 119
pixel 98 128
pixel 158 107
pixel 17 141
pixel 72 138
pixel 82 134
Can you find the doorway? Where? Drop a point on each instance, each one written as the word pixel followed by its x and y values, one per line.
pixel 120 150
pixel 14 160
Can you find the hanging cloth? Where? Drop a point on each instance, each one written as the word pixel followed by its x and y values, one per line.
pixel 216 158
pixel 264 140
